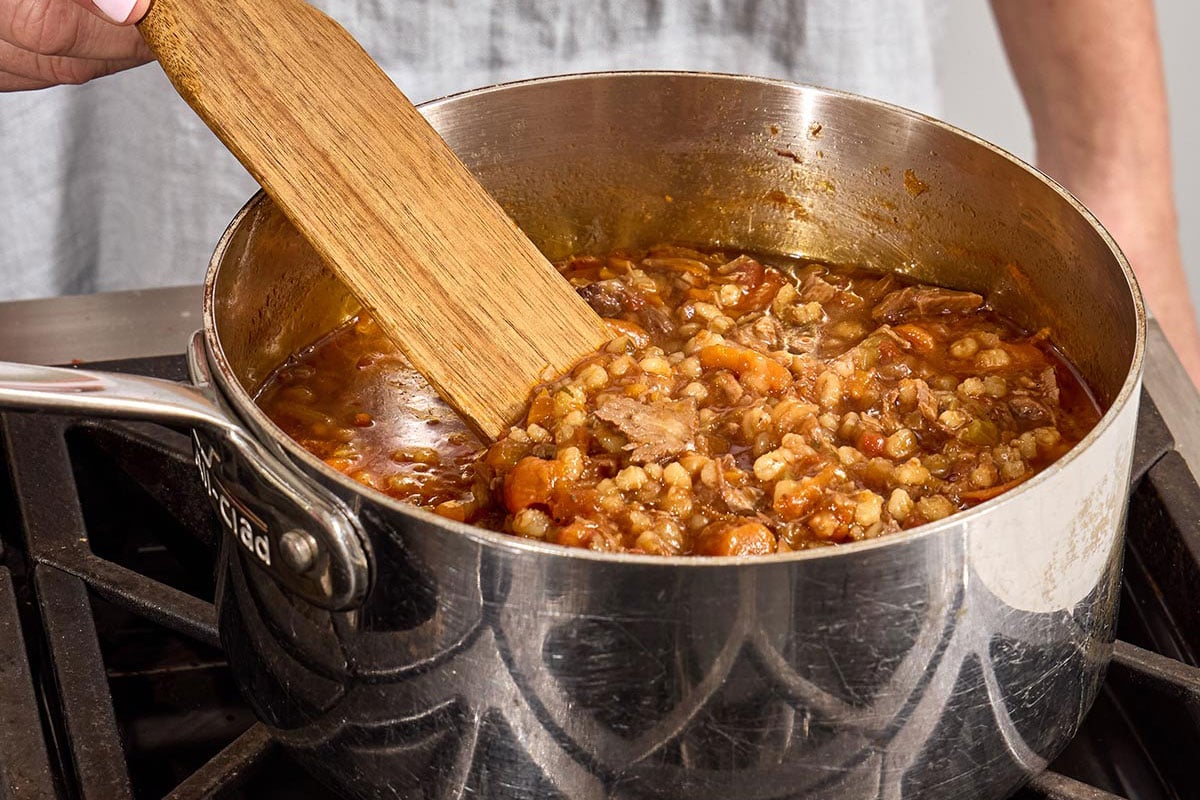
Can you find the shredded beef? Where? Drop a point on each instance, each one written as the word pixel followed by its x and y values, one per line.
pixel 610 298
pixel 923 301
pixel 1049 386
pixel 764 334
pixel 800 341
pixel 655 430
pixel 1030 410
pixel 743 500
pixel 817 290
pixel 657 322
pixel 927 403
pixel 881 288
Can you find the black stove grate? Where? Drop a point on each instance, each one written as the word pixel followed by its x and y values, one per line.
pixel 113 685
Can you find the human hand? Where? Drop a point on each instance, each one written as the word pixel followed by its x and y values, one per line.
pixel 50 42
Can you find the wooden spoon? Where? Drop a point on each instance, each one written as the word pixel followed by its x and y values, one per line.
pixel 360 173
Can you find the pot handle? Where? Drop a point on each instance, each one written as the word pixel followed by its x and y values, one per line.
pixel 289 526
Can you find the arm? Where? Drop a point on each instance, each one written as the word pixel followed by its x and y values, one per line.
pixel 1091 74
pixel 48 42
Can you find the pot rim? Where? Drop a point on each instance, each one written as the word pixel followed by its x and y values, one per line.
pixel 262 427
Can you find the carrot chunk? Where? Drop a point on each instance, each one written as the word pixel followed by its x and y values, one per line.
pixel 757 370
pixel 737 539
pixel 531 483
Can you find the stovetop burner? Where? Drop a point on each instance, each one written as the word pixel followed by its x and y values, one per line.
pixel 110 550
pixel 113 684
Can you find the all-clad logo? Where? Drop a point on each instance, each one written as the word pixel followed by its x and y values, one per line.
pixel 235 517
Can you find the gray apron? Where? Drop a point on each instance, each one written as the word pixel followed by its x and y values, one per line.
pixel 116 185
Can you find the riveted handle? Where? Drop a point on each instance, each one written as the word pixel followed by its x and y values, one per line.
pixel 293 529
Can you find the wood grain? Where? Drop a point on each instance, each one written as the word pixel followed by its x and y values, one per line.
pixel 451 279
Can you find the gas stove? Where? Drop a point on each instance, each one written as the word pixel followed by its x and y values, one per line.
pixel 112 680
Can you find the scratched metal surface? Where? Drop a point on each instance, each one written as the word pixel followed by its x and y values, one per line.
pixel 918 666
pixel 899 671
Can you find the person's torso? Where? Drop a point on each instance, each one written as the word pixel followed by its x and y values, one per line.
pixel 116 184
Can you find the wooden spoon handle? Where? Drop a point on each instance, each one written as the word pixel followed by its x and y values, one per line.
pixel 362 175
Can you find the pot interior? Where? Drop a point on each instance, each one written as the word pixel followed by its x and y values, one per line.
pixel 590 163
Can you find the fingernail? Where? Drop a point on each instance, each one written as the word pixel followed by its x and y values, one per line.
pixel 116 10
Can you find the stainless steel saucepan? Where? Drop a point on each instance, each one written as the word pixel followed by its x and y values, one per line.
pixel 399 654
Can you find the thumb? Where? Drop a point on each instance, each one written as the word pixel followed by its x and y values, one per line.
pixel 122 12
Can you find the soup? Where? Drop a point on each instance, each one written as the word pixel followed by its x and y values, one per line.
pixel 745 406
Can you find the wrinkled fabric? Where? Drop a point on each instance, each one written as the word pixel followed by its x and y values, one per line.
pixel 116 184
